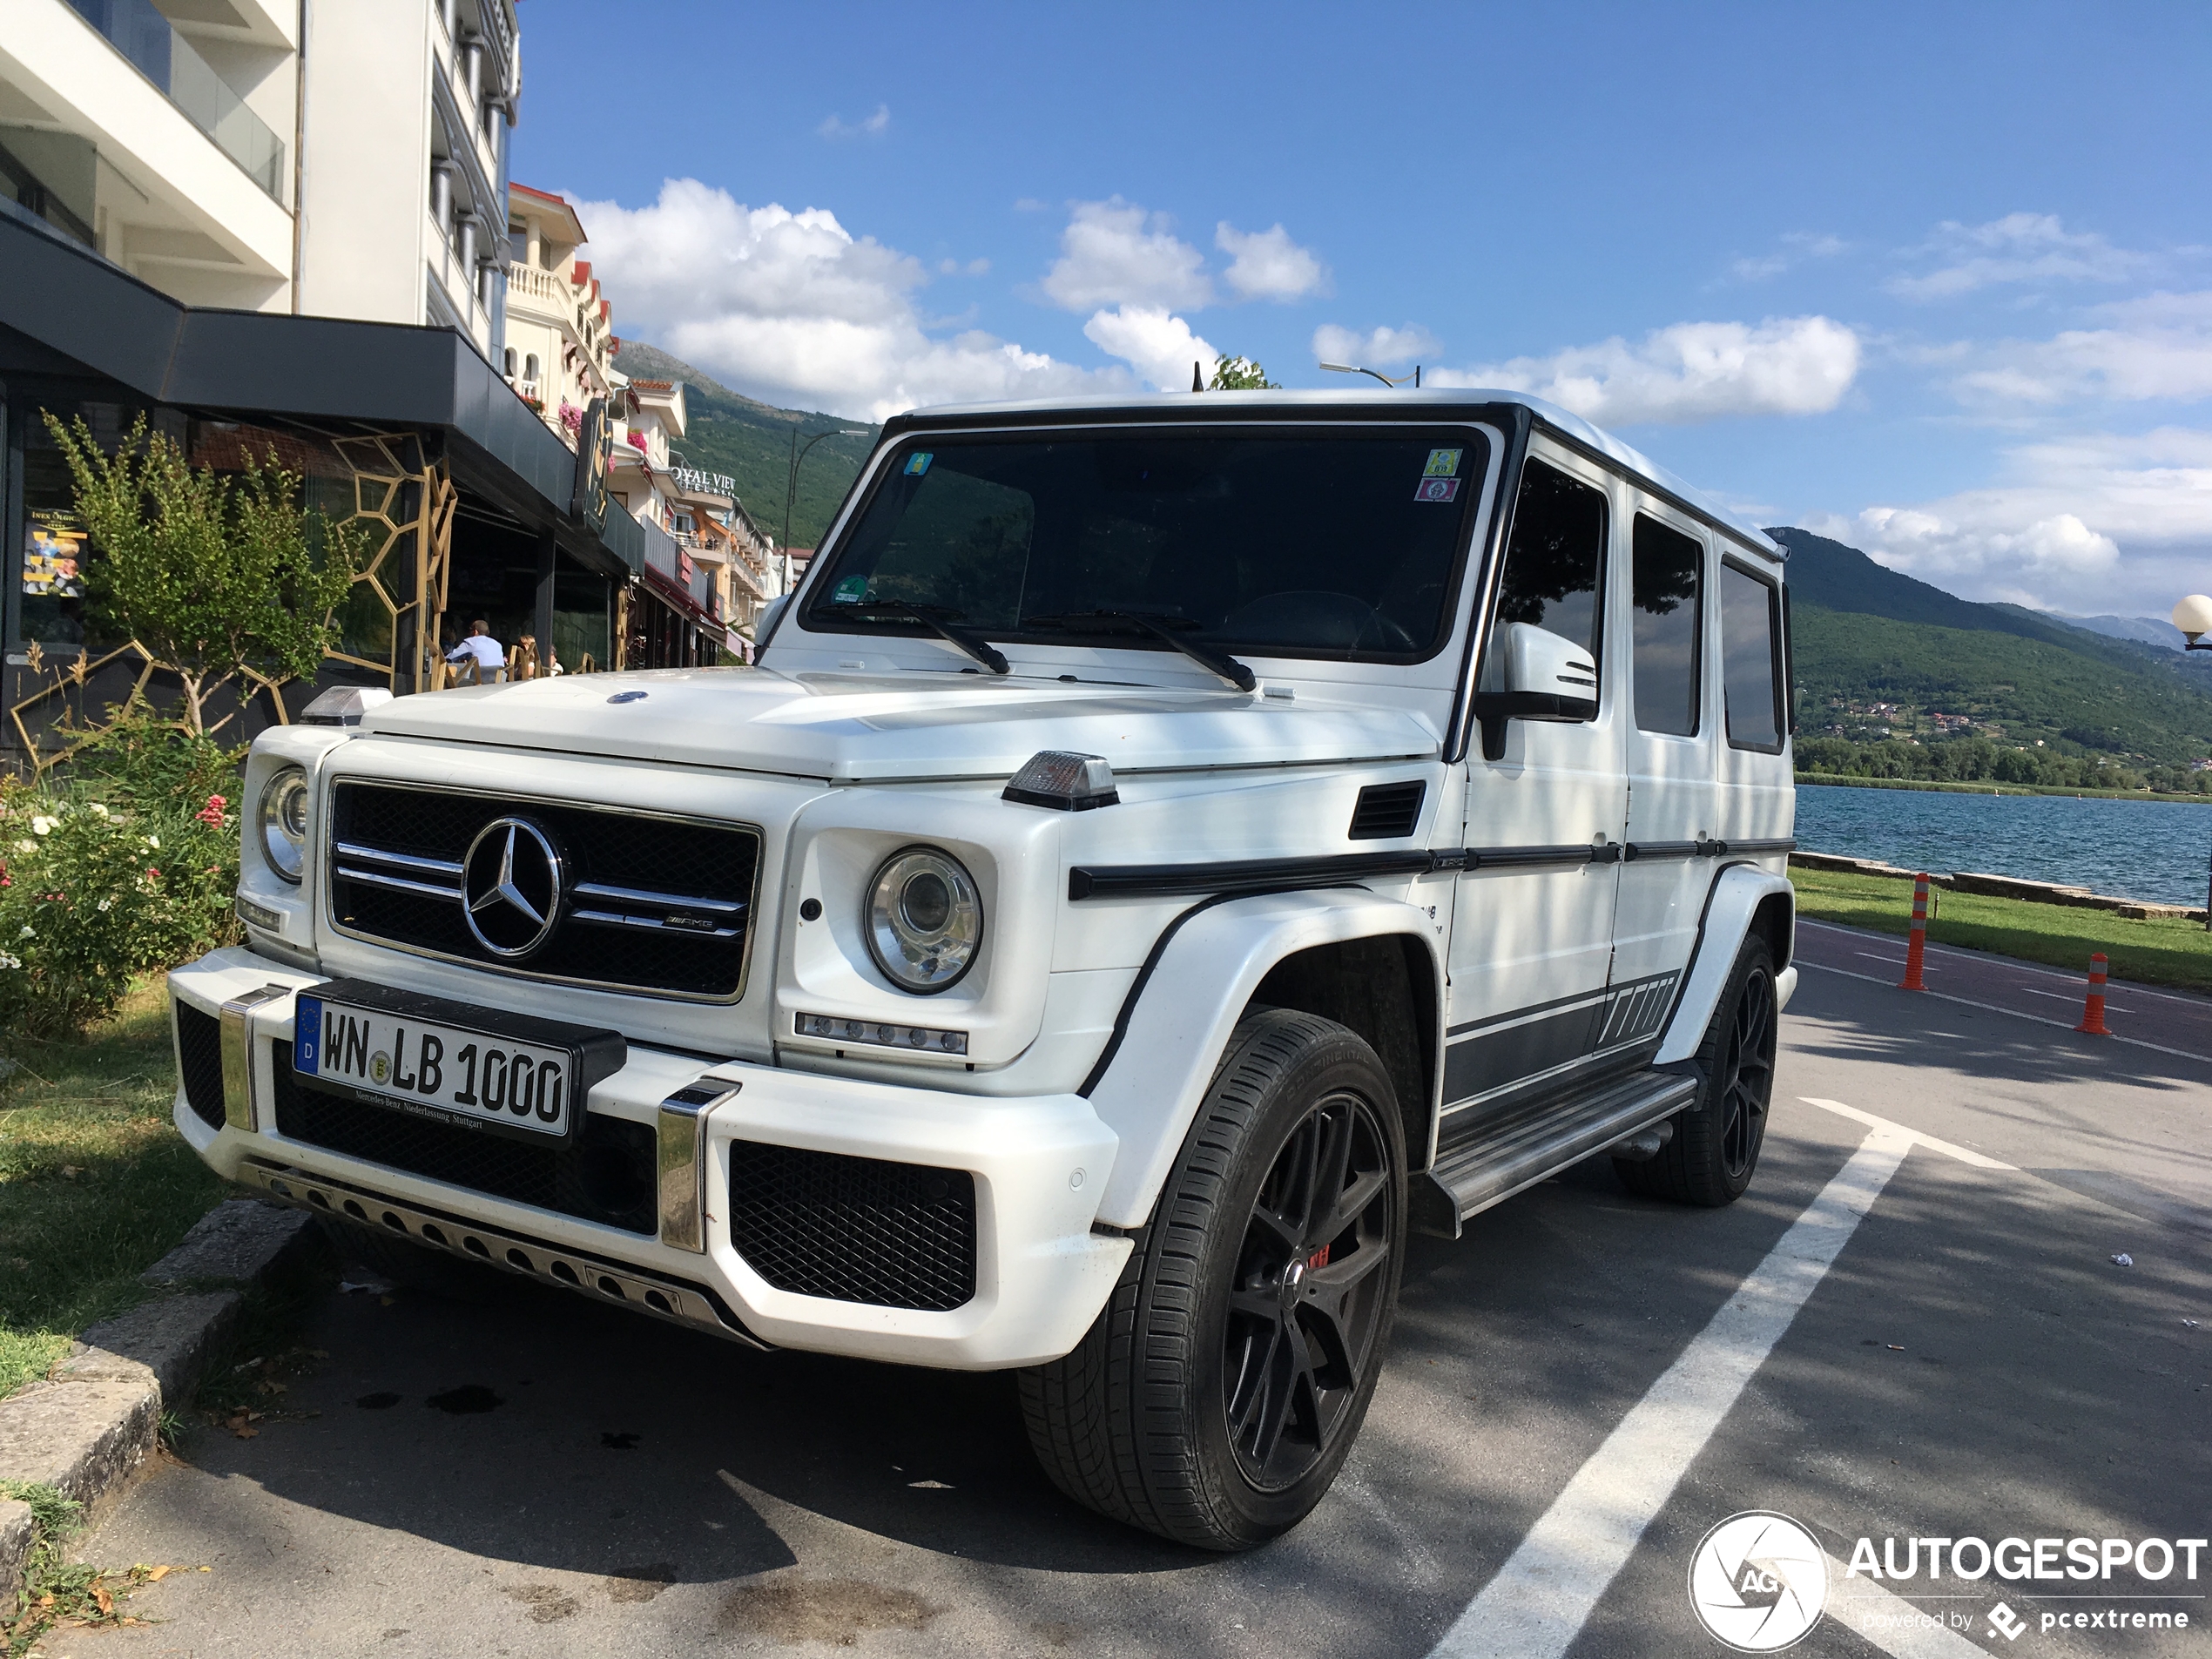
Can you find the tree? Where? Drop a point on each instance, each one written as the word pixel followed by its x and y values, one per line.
pixel 211 574
pixel 1240 374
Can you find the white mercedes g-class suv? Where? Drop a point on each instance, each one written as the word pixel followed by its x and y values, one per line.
pixel 1168 848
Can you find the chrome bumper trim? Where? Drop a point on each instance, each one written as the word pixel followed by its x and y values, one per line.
pixel 240 1111
pixel 682 1163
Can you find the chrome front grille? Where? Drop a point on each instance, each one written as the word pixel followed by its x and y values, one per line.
pixel 627 901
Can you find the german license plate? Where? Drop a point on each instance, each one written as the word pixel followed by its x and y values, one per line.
pixel 504 1073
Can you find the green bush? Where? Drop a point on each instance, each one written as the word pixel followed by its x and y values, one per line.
pixel 93 891
pixel 141 761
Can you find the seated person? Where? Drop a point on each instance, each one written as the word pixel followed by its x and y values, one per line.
pixel 490 657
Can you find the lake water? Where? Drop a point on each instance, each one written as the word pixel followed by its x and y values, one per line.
pixel 2137 849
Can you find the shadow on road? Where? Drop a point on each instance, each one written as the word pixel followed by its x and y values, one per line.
pixel 1973 1356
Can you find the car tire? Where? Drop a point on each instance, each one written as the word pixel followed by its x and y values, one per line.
pixel 1710 1159
pixel 416 1267
pixel 1216 1396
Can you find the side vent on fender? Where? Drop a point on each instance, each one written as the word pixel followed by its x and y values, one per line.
pixel 1385 812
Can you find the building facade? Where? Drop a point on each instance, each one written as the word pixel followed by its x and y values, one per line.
pixel 342 159
pixel 713 525
pixel 267 228
pixel 561 345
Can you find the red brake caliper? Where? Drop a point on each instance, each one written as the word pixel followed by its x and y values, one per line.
pixel 1318 1259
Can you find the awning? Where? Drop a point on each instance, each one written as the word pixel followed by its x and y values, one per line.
pixel 64 310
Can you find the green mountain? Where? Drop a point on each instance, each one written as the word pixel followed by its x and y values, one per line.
pixel 1879 654
pixel 752 442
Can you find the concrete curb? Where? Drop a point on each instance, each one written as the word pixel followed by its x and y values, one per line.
pixel 2001 887
pixel 88 1429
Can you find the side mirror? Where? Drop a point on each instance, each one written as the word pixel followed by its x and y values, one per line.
pixel 771 614
pixel 1545 678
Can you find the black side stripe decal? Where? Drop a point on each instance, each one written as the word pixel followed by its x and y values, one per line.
pixel 1498 1055
pixel 1290 875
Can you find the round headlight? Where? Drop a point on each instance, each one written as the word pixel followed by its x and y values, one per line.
pixel 282 816
pixel 924 920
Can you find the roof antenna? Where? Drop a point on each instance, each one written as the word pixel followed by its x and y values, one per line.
pixel 1197 385
pixel 1348 368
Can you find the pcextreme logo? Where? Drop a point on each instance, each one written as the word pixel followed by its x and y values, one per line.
pixel 1758 1581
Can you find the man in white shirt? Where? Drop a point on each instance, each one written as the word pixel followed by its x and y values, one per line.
pixel 491 658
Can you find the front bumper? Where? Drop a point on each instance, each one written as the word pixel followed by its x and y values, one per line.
pixel 1039 1163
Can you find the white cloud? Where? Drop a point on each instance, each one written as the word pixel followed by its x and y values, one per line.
pixel 872 127
pixel 1796 247
pixel 2156 347
pixel 1267 265
pixel 1156 341
pixel 1332 344
pixel 1691 371
pixel 2087 524
pixel 1115 253
pixel 793 307
pixel 2020 247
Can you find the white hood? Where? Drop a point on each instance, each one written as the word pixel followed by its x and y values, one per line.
pixel 856 728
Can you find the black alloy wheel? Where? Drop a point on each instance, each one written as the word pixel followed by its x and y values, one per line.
pixel 1216 1397
pixel 1714 1147
pixel 1744 1083
pixel 1310 1294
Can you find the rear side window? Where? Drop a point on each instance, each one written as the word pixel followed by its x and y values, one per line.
pixel 1554 563
pixel 1750 627
pixel 1666 582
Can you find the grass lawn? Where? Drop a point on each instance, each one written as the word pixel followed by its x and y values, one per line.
pixel 2171 952
pixel 95 1181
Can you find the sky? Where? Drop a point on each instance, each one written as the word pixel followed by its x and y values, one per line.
pixel 1934 280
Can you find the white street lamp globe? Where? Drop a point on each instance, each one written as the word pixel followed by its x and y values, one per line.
pixel 2194 615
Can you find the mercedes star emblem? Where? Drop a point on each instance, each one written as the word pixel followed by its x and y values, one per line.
pixel 513 879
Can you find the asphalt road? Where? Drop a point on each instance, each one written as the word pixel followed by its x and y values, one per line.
pixel 1973 1363
pixel 2177 1021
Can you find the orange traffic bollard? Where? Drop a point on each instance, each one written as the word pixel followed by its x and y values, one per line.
pixel 2093 1018
pixel 1918 945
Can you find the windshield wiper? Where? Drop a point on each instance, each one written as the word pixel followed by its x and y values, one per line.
pixel 936 619
pixel 1161 627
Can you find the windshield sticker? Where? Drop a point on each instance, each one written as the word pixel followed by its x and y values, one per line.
pixel 1438 489
pixel 1443 463
pixel 853 589
pixel 918 464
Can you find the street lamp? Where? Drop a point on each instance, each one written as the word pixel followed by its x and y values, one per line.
pixel 1349 368
pixel 2194 618
pixel 791 488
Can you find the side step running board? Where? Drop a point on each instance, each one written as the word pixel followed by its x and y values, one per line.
pixel 1530 1146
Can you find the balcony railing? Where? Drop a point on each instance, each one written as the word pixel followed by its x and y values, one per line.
pixel 167 60
pixel 538 284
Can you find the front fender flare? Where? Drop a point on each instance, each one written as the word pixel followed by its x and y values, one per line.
pixel 1175 1034
pixel 1731 908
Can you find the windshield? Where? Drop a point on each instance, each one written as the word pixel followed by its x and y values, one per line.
pixel 1332 542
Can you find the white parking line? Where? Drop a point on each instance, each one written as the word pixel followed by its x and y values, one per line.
pixel 1965 1155
pixel 1876 956
pixel 2076 996
pixel 1995 1008
pixel 1986 960
pixel 1544 1594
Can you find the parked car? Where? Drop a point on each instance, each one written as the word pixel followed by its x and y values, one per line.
pixel 1167 850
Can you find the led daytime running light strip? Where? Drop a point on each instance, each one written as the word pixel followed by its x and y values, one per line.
pixel 916 1039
